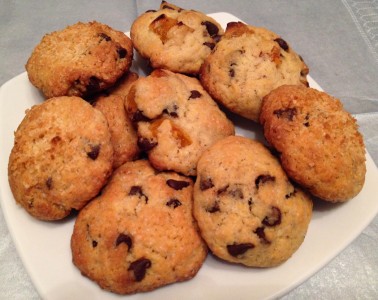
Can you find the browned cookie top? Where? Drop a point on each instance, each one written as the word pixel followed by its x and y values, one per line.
pixel 79 60
pixel 319 143
pixel 61 158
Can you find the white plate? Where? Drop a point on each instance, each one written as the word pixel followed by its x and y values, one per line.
pixel 45 247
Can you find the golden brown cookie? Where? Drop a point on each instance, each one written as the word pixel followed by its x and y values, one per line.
pixel 246 64
pixel 247 209
pixel 175 39
pixel 140 233
pixel 176 119
pixel 61 158
pixel 79 60
pixel 123 135
pixel 319 143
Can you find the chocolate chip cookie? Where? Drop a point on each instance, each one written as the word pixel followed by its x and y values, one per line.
pixel 175 39
pixel 176 120
pixel 247 209
pixel 246 64
pixel 79 60
pixel 61 158
pixel 123 135
pixel 140 233
pixel 319 143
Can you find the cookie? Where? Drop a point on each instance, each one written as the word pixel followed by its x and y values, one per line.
pixel 175 39
pixel 61 158
pixel 246 64
pixel 79 60
pixel 176 120
pixel 140 233
pixel 319 143
pixel 247 209
pixel 123 135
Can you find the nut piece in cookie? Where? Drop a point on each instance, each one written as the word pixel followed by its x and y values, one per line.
pixel 246 64
pixel 176 120
pixel 61 158
pixel 80 60
pixel 319 143
pixel 175 39
pixel 123 135
pixel 139 234
pixel 246 208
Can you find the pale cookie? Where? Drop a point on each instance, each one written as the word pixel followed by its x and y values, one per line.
pixel 140 233
pixel 246 64
pixel 247 209
pixel 175 39
pixel 176 119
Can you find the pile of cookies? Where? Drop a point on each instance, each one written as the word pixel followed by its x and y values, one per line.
pixel 152 164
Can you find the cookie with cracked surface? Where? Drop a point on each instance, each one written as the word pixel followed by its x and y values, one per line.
pixel 258 219
pixel 61 158
pixel 79 60
pixel 140 233
pixel 176 120
pixel 123 135
pixel 175 39
pixel 319 143
pixel 246 64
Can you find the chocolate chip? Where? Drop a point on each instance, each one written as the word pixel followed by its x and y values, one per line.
pixel 213 208
pixel 171 111
pixel 261 179
pixel 282 44
pixel 210 45
pixel 124 238
pixel 139 117
pixel 206 184
pixel 250 203
pixel 136 190
pixel 307 123
pixel 236 193
pixel 222 190
pixel 105 37
pixel 173 203
pixel 146 144
pixel 167 7
pixel 291 194
pixel 211 28
pixel 261 234
pixel 231 72
pixel 287 113
pixel 93 85
pixel 238 249
pixel 177 184
pixel 95 151
pixel 49 182
pixel 122 52
pixel 194 94
pixel 216 38
pixel 139 268
pixel 94 244
pixel 274 218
